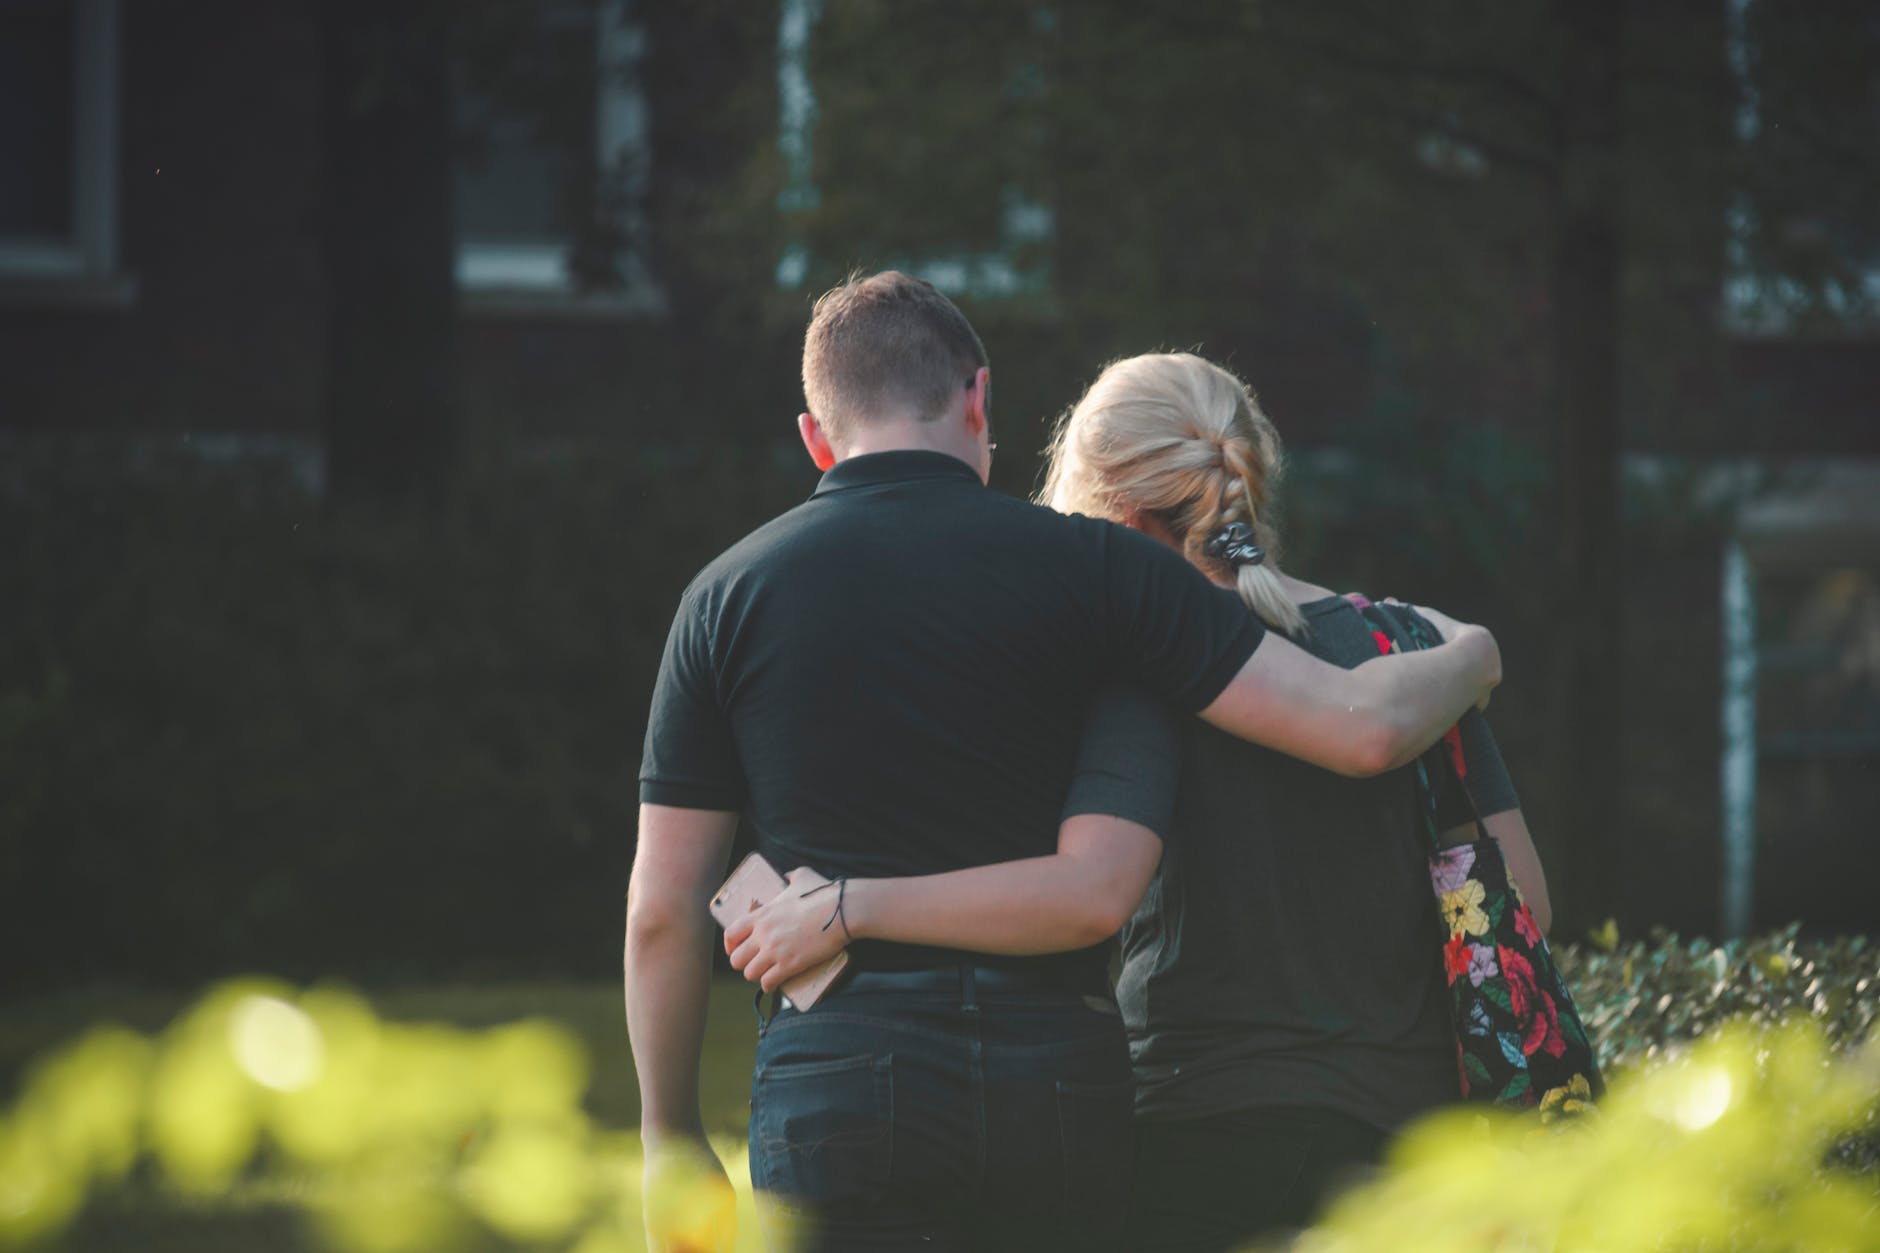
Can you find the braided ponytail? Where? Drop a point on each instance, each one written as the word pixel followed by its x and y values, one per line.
pixel 1259 582
pixel 1178 437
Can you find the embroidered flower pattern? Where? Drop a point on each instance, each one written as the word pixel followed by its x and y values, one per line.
pixel 1449 869
pixel 1575 1096
pixel 1462 910
pixel 1457 957
pixel 1519 1039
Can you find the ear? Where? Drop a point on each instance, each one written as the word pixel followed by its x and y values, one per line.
pixel 1155 528
pixel 815 441
pixel 979 401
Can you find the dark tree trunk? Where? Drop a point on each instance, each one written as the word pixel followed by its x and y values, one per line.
pixel 389 247
pixel 1586 385
pixel 710 73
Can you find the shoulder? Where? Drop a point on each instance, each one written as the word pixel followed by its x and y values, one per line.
pixel 733 578
pixel 1095 544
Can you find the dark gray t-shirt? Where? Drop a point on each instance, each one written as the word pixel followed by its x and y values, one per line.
pixel 891 678
pixel 1286 953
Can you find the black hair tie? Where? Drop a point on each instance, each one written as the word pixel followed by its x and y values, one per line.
pixel 1234 544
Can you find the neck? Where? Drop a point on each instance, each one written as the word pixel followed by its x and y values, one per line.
pixel 912 435
pixel 897 436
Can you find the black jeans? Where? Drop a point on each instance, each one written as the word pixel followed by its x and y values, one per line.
pixel 944 1120
pixel 1206 1184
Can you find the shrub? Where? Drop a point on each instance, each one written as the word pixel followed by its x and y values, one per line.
pixel 1730 1124
pixel 240 731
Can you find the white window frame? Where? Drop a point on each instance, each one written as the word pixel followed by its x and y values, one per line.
pixel 83 266
pixel 534 277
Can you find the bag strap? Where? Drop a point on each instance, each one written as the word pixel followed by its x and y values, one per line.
pixel 1401 633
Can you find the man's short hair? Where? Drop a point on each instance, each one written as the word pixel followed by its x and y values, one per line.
pixel 886 345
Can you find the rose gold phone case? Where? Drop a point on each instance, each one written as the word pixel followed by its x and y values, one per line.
pixel 749 886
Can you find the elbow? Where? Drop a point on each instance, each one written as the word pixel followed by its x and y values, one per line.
pixel 1103 917
pixel 654 922
pixel 1088 932
pixel 1380 747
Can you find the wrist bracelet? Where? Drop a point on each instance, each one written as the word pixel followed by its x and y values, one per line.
pixel 841 886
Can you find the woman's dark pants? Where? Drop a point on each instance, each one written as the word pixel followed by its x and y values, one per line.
pixel 1215 1183
pixel 942 1112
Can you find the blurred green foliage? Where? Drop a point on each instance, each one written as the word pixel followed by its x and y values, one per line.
pixel 1719 1147
pixel 384 1136
pixel 1742 1116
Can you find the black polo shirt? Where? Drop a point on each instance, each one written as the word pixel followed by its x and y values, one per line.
pixel 891 678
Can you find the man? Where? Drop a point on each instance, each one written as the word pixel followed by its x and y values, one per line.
pixel 891 679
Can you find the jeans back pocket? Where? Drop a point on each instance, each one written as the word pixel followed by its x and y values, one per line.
pixel 822 1133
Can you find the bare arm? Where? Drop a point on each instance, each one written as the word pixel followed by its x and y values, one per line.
pixel 668 960
pixel 1510 830
pixel 1079 896
pixel 1359 722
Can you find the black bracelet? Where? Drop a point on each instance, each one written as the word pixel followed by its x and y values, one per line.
pixel 841 886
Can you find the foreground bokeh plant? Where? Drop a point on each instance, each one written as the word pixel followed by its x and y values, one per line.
pixel 389 1137
pixel 1741 1117
pixel 1728 1145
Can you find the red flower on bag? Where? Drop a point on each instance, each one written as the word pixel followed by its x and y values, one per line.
pixel 1524 924
pixel 1533 1008
pixel 1543 1033
pixel 1452 740
pixel 1456 957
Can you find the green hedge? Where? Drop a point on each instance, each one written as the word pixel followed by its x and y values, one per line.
pixel 240 731
pixel 1646 998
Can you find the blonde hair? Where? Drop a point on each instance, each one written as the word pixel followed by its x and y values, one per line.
pixel 1179 438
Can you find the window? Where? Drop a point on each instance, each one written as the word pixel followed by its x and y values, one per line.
pixel 1803 252
pixel 552 160
pixel 855 83
pixel 1801 707
pixel 58 144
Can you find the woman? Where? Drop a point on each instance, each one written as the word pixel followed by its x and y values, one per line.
pixel 1281 984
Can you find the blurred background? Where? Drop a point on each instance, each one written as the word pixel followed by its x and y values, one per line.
pixel 375 373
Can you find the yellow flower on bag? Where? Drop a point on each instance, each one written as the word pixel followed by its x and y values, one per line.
pixel 1462 909
pixel 1569 1098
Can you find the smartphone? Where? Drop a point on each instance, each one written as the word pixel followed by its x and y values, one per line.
pixel 754 882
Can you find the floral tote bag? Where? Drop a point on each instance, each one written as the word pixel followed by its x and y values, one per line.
pixel 1520 1041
